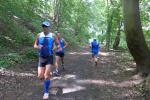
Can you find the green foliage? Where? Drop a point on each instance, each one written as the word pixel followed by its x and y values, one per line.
pixel 73 20
pixel 78 20
pixel 145 19
pixel 10 60
pixel 30 53
pixel 107 14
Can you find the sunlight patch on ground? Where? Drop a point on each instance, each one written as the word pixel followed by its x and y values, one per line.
pixel 75 88
pixel 69 76
pixel 137 76
pixel 69 83
pixel 65 77
pixel 129 69
pixel 89 53
pixel 128 83
pixel 56 78
pixel 64 81
pixel 97 82
pixel 115 71
pixel 79 53
pixel 12 73
pixel 104 53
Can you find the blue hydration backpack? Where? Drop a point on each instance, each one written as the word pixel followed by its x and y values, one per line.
pixel 95 46
pixel 47 42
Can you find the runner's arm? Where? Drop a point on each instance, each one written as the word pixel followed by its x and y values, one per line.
pixel 66 43
pixel 36 43
pixel 54 47
pixel 57 42
pixel 90 45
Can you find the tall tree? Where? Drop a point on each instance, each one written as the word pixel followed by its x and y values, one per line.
pixel 134 36
pixel 108 32
pixel 117 38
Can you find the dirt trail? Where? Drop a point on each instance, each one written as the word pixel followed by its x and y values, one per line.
pixel 112 79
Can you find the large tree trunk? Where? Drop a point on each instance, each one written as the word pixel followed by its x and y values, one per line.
pixel 117 39
pixel 134 36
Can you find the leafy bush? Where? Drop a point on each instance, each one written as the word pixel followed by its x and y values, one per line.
pixel 10 59
pixel 30 53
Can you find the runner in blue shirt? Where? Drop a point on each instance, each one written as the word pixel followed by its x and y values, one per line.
pixel 60 54
pixel 44 43
pixel 94 45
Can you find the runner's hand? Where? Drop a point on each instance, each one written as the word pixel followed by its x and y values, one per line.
pixel 54 49
pixel 59 48
pixel 40 46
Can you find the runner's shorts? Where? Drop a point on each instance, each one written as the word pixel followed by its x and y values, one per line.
pixel 45 61
pixel 94 54
pixel 60 54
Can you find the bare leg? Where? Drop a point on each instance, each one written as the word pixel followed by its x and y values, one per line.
pixel 62 60
pixel 57 63
pixel 41 71
pixel 56 72
pixel 95 60
pixel 47 74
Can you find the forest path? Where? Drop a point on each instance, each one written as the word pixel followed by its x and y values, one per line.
pixel 113 79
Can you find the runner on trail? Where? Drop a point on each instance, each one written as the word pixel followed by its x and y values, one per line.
pixel 94 45
pixel 44 43
pixel 60 54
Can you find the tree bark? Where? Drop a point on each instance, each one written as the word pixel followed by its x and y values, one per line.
pixel 56 19
pixel 108 34
pixel 134 36
pixel 117 39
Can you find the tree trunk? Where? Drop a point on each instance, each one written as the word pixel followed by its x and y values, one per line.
pixel 56 19
pixel 117 39
pixel 108 35
pixel 134 36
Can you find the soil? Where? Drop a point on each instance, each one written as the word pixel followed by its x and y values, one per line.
pixel 113 79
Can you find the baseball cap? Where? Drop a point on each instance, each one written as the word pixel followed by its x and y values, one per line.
pixel 46 24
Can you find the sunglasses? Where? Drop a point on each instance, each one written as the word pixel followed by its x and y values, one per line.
pixel 44 26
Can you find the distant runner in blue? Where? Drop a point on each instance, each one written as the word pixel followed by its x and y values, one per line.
pixel 94 45
pixel 60 54
pixel 44 43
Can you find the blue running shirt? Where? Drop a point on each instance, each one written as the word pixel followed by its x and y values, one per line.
pixel 61 42
pixel 47 42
